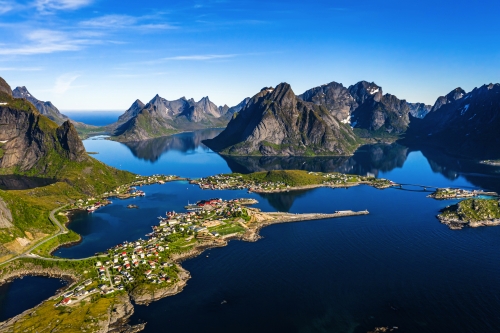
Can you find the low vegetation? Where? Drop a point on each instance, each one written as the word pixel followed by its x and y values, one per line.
pixel 472 210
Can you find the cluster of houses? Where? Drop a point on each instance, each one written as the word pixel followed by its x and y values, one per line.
pixel 236 182
pixel 448 193
pixel 79 292
pixel 147 260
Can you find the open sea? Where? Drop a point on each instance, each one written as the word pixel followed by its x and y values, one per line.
pixel 397 266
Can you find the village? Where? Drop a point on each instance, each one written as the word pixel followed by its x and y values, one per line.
pixel 91 204
pixel 263 185
pixel 453 193
pixel 149 261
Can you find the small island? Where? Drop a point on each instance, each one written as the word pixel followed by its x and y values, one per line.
pixel 455 193
pixel 472 213
pixel 287 180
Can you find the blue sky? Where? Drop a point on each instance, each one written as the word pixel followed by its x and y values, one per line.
pixel 102 55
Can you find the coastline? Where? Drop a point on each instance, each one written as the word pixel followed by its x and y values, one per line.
pixel 456 224
pixel 145 294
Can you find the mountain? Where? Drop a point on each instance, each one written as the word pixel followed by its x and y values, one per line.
pixel 50 111
pixel 363 105
pixel 419 110
pixel 335 97
pixel 276 122
pixel 462 123
pixel 162 117
pixel 30 140
pixel 46 108
pixel 229 111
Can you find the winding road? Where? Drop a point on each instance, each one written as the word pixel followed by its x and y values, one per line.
pixel 62 230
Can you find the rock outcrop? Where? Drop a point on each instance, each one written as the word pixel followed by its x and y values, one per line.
pixel 462 123
pixel 4 87
pixel 5 215
pixel 31 140
pixel 276 122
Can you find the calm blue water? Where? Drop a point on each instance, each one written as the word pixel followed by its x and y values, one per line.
pixel 397 266
pixel 23 294
pixel 97 118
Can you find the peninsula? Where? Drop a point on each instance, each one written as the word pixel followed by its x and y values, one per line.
pixel 144 270
pixel 288 180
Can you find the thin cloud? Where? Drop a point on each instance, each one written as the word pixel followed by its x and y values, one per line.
pixel 46 41
pixel 107 21
pixel 6 6
pixel 201 57
pixel 63 83
pixel 48 5
pixel 124 21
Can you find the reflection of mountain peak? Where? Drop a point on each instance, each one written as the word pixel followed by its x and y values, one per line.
pixel 151 150
pixel 366 160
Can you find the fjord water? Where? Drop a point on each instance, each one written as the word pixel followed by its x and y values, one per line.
pixel 23 294
pixel 397 266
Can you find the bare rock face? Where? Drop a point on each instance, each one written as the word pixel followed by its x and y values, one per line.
pixel 277 122
pixel 70 142
pixel 335 97
pixel 29 137
pixel 364 106
pixel 4 87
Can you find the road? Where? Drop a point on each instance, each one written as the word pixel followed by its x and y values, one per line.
pixel 62 230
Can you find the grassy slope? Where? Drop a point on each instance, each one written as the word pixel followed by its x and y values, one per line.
pixel 290 177
pixel 30 208
pixel 473 210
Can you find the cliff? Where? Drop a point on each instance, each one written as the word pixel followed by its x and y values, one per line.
pixel 276 122
pixel 28 138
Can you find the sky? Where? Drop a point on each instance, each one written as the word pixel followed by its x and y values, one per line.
pixel 103 55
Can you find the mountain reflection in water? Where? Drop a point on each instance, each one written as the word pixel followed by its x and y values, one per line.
pixel 369 160
pixel 152 150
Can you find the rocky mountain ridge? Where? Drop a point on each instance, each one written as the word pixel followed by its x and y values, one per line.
pixel 462 123
pixel 363 105
pixel 276 122
pixel 162 117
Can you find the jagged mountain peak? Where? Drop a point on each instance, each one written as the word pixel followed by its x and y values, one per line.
pixel 451 97
pixel 364 90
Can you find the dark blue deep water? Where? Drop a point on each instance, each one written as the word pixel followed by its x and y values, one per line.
pixel 23 294
pixel 397 266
